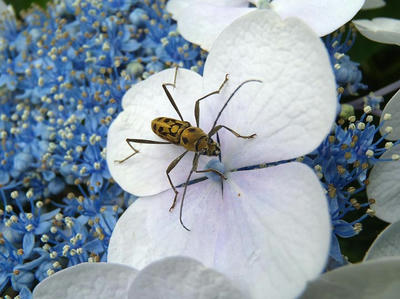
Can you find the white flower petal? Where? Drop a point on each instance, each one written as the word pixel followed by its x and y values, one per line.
pixel 269 233
pixel 201 23
pixel 324 16
pixel 382 30
pixel 87 281
pixel 145 173
pixel 175 7
pixel 183 278
pixel 227 3
pixel 392 108
pixel 369 280
pixel 386 244
pixel 384 187
pixel 372 4
pixel 150 92
pixel 295 106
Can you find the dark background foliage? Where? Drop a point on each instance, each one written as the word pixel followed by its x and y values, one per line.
pixel 380 63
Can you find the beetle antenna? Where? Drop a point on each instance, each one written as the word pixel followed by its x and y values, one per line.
pixel 195 161
pixel 230 97
pixel 183 199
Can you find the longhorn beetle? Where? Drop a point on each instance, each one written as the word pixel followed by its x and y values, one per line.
pixel 193 139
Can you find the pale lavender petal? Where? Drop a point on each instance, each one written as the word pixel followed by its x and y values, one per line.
pixel 294 107
pixel 269 232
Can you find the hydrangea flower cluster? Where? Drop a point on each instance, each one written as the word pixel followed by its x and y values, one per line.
pixel 63 74
pixel 342 162
pixel 348 75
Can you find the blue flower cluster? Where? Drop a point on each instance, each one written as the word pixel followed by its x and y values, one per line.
pixel 348 76
pixel 63 73
pixel 342 162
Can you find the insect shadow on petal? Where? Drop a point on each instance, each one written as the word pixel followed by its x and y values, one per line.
pixel 193 139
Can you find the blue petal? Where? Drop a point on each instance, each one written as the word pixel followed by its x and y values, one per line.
pixel 49 215
pixel 56 186
pixel 4 177
pixel 94 246
pixel 41 272
pixel 32 264
pixel 137 16
pixel 344 229
pixel 42 228
pixel 130 46
pixel 48 175
pixel 96 181
pixel 110 220
pixel 335 249
pixel 82 219
pixel 25 293
pixel 3 280
pixel 28 243
pixel 23 279
pixel 22 161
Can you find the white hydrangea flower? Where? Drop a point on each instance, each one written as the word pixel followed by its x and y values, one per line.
pixel 386 244
pixel 269 230
pixel 367 280
pixel 201 21
pixel 390 118
pixel 169 278
pixel 383 180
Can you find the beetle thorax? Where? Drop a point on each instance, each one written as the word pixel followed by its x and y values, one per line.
pixel 194 139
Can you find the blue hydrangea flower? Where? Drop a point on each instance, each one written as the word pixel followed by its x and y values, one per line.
pixel 56 103
pixel 342 162
pixel 348 75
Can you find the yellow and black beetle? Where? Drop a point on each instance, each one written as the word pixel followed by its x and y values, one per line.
pixel 193 139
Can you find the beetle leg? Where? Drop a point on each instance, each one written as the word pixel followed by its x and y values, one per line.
pixel 212 170
pixel 129 140
pixel 169 168
pixel 169 96
pixel 220 160
pixel 197 105
pixel 219 127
